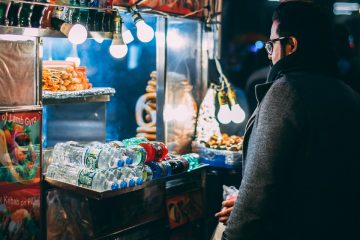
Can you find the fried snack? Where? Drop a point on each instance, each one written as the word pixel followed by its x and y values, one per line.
pixel 230 143
pixel 64 77
pixel 145 111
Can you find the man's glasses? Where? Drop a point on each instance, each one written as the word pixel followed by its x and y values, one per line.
pixel 269 45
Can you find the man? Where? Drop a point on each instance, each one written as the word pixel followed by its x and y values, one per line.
pixel 301 166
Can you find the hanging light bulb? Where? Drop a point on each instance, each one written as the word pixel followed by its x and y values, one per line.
pixel 237 113
pixel 74 57
pixel 97 37
pixel 127 35
pixel 118 49
pixel 76 34
pixel 144 32
pixel 224 114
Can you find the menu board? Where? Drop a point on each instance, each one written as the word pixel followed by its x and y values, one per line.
pixel 20 136
pixel 20 147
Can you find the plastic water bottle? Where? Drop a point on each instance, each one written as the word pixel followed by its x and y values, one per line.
pixel 147 173
pixel 91 157
pixel 129 182
pixel 134 141
pixel 137 153
pixel 107 157
pixel 62 154
pixel 81 176
pixel 141 171
pixel 115 144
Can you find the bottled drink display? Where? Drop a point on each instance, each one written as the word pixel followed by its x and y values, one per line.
pixel 81 176
pixel 45 21
pixel 116 164
pixel 37 15
pixel 92 157
pixel 13 13
pixel 3 13
pixel 25 15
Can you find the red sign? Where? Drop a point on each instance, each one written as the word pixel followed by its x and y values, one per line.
pixel 184 208
pixel 19 211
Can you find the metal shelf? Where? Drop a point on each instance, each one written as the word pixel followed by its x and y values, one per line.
pixel 121 7
pixel 42 32
pixel 52 183
pixel 83 96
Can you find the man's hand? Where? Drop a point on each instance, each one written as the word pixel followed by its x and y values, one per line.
pixel 228 205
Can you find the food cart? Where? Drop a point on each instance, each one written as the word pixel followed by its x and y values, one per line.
pixel 106 92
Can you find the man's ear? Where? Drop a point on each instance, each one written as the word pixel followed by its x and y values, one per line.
pixel 292 45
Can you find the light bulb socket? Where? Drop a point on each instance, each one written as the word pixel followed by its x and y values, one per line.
pixel 222 98
pixel 232 97
pixel 117 23
pixel 117 39
pixel 135 15
pixel 65 28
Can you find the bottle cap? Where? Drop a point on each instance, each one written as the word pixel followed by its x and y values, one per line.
pixel 114 186
pixel 139 181
pixel 120 163
pixel 131 183
pixel 129 161
pixel 123 185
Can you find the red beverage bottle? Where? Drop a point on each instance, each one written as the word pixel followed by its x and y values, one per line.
pixel 150 151
pixel 160 151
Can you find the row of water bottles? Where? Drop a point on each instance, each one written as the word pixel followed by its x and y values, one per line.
pixel 113 154
pixel 100 179
pixel 116 164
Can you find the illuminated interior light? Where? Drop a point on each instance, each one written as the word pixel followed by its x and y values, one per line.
pixel 127 35
pixel 143 31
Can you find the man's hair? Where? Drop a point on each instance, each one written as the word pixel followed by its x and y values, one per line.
pixel 308 23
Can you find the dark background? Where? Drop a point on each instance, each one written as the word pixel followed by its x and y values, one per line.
pixel 246 21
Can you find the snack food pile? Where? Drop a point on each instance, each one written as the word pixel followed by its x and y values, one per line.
pixel 226 142
pixel 145 111
pixel 64 76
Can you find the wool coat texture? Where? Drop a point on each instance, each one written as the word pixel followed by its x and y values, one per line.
pixel 301 159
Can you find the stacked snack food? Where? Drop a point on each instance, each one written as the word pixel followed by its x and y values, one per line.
pixel 226 142
pixel 64 76
pixel 145 111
